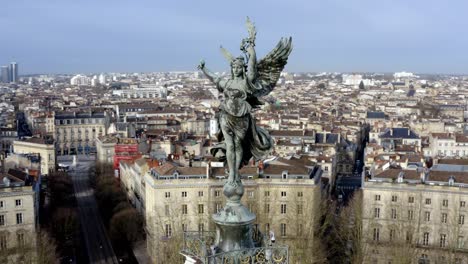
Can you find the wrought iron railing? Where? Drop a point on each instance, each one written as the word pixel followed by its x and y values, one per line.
pixel 259 255
pixel 200 245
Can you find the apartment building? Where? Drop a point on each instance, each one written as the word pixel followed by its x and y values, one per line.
pixel 19 205
pixel 173 199
pixel 44 147
pixel 76 132
pixel 416 216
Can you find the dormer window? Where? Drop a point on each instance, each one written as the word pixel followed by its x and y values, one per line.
pixel 284 175
pixel 400 177
pixel 451 181
pixel 176 174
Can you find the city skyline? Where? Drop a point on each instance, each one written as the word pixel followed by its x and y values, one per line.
pixel 337 36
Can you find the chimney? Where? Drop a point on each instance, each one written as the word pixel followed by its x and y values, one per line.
pixel 208 170
pixel 391 131
pixel 324 136
pixel 423 176
pixel 260 168
pixel 409 131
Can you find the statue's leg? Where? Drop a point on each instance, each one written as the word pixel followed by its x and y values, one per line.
pixel 230 155
pixel 239 153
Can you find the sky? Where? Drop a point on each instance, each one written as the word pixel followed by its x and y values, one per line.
pixel 93 36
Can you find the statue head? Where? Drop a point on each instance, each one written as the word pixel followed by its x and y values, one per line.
pixel 238 67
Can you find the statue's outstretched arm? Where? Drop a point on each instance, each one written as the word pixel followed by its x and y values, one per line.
pixel 210 75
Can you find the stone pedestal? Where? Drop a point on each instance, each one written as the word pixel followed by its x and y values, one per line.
pixel 234 221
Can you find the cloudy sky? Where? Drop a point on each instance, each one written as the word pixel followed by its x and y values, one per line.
pixel 84 36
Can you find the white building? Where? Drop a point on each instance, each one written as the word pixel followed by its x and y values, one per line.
pixel 102 79
pixel 142 91
pixel 355 80
pixel 398 75
pixel 80 80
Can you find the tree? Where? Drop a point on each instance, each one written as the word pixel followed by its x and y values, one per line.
pixel 126 226
pixel 361 85
pixel 65 223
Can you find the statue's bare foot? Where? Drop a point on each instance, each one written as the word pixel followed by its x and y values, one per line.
pixel 232 182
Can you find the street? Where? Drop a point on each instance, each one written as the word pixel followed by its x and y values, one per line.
pixel 97 242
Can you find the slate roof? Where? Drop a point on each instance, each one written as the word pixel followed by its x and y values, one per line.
pixel 330 138
pixel 375 115
pixel 400 132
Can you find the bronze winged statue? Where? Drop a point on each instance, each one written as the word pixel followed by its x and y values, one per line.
pixel 240 139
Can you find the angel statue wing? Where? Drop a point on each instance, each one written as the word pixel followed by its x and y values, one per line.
pixel 269 68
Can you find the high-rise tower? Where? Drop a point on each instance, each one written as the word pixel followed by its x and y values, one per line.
pixel 13 72
pixel 5 75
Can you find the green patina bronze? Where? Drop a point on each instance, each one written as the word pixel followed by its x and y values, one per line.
pixel 240 139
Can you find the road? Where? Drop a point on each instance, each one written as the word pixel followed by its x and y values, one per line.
pixel 97 242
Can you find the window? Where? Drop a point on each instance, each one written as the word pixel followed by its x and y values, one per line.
pixel 18 202
pixel 2 220
pixel 445 203
pixel 283 194
pixel 217 193
pixel 376 236
pixel 200 193
pixel 166 209
pixel 394 198
pixel 300 208
pixel 283 208
pixel 168 230
pixel 200 209
pixel 394 214
pixel 443 218
pixel 283 229
pixel 3 242
pixel 300 194
pixel 443 238
pixel 410 214
pixel 409 236
pixel 20 239
pixel 461 219
pixel 462 203
pixel 426 239
pixel 184 209
pixel 460 241
pixel 267 208
pixel 392 234
pixel 250 194
pixel 267 193
pixel 2 204
pixel 19 218
pixel 201 227
pixel 218 207
pixel 167 194
pixel 184 194
pixel 427 216
pixel 428 201
pixel 377 197
pixel 184 227
pixel 376 212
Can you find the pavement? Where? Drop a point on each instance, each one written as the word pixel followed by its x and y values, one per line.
pixel 96 239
